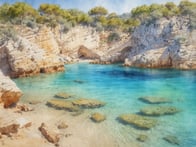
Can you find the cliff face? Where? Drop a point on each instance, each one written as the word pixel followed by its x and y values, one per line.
pixel 34 52
pixel 163 43
pixel 70 42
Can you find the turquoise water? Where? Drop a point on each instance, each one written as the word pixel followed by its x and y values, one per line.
pixel 120 87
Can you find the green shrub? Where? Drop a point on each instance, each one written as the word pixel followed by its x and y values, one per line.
pixel 113 37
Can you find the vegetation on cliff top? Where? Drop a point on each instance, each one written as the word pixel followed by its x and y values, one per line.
pixel 52 15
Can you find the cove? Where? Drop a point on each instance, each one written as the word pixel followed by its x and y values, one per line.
pixel 120 87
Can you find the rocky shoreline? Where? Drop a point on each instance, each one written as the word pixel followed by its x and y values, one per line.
pixel 166 43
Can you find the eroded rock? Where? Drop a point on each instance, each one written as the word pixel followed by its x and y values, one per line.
pixel 9 92
pixel 154 100
pixel 65 105
pixel 88 103
pixel 138 121
pixel 50 136
pixel 84 52
pixel 63 95
pixel 62 125
pixel 24 108
pixel 98 117
pixel 7 130
pixel 159 110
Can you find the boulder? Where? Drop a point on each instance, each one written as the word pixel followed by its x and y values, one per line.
pixel 159 110
pixel 9 92
pixel 13 128
pixel 138 121
pixel 63 95
pixel 98 117
pixel 172 139
pixel 154 100
pixel 142 138
pixel 88 103
pixel 24 108
pixel 65 105
pixel 49 135
pixel 79 81
pixel 86 53
pixel 62 125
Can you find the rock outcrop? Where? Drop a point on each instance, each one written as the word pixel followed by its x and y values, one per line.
pixel 165 43
pixel 49 135
pixel 154 100
pixel 86 53
pixel 88 103
pixel 75 37
pixel 63 105
pixel 7 130
pixel 138 121
pixel 9 92
pixel 35 51
pixel 97 117
pixel 159 110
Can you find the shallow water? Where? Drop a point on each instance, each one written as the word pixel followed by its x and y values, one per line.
pixel 120 87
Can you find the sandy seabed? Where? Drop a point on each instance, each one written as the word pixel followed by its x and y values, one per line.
pixel 81 131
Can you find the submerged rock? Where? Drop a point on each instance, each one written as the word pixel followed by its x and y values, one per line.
pixel 138 121
pixel 62 125
pixel 172 139
pixel 65 105
pixel 159 110
pixel 98 117
pixel 79 81
pixel 63 95
pixel 50 136
pixel 88 103
pixel 7 130
pixel 34 102
pixel 154 100
pixel 142 138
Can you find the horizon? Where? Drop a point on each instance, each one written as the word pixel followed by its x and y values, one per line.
pixel 117 6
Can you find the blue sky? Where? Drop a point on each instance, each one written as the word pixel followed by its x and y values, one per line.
pixel 118 6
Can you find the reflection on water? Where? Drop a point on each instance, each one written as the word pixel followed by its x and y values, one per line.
pixel 120 87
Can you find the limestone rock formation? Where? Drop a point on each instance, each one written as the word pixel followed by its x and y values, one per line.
pixel 86 53
pixel 154 100
pixel 98 117
pixel 65 105
pixel 7 130
pixel 138 121
pixel 63 95
pixel 26 58
pixel 35 51
pixel 9 92
pixel 163 43
pixel 159 110
pixel 49 135
pixel 77 36
pixel 88 103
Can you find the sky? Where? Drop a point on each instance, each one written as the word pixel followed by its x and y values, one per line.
pixel 118 6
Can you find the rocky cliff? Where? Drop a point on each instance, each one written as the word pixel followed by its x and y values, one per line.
pixel 163 43
pixel 34 52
